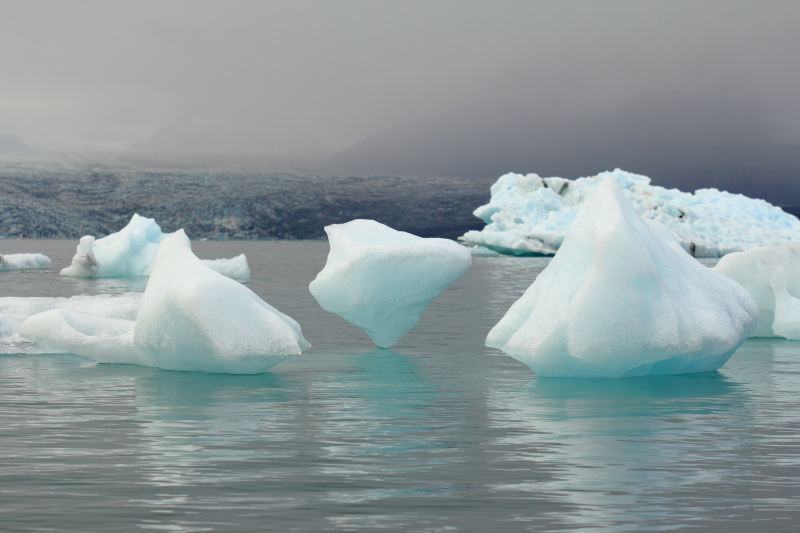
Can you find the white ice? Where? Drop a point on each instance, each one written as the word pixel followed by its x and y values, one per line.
pixel 622 298
pixel 190 318
pixel 24 261
pixel 771 275
pixel 130 252
pixel 15 310
pixel 234 268
pixel 382 280
pixel 529 215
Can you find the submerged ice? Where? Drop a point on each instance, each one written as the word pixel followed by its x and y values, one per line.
pixel 382 280
pixel 130 252
pixel 529 215
pixel 190 318
pixel 24 261
pixel 622 298
pixel 771 275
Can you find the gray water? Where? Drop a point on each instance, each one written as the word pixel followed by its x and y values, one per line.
pixel 438 434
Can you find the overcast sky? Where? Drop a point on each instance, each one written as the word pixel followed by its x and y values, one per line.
pixel 379 84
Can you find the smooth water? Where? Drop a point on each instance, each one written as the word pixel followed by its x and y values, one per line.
pixel 438 434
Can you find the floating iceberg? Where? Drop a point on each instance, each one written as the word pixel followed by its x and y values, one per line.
pixel 24 261
pixel 130 252
pixel 234 268
pixel 382 280
pixel 15 310
pixel 772 277
pixel 190 318
pixel 621 298
pixel 529 215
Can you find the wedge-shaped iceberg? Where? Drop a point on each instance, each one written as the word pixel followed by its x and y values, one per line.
pixel 529 215
pixel 622 298
pixel 382 280
pixel 130 252
pixel 771 275
pixel 24 261
pixel 190 318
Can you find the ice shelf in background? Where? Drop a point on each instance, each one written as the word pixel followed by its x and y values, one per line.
pixel 130 252
pixel 771 275
pixel 529 215
pixel 382 279
pixel 24 262
pixel 621 298
pixel 190 318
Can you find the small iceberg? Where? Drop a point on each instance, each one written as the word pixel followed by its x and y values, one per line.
pixel 130 252
pixel 622 298
pixel 15 310
pixel 530 215
pixel 25 262
pixel 234 268
pixel 382 279
pixel 190 318
pixel 771 275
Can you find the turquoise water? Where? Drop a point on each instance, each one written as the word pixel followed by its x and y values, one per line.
pixel 438 434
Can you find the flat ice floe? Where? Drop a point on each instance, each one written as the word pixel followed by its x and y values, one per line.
pixel 24 262
pixel 130 252
pixel 622 298
pixel 772 277
pixel 190 318
pixel 15 310
pixel 529 215
pixel 382 279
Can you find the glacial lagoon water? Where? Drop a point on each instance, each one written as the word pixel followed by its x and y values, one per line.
pixel 437 434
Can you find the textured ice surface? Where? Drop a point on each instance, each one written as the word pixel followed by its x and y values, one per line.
pixel 129 252
pixel 190 318
pixel 24 261
pixel 771 275
pixel 529 215
pixel 621 298
pixel 235 267
pixel 382 280
pixel 14 311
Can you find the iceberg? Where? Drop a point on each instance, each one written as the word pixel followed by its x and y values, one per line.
pixel 234 268
pixel 130 252
pixel 24 262
pixel 529 215
pixel 771 275
pixel 190 318
pixel 622 298
pixel 15 310
pixel 382 279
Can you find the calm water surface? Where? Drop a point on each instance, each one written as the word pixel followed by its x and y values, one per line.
pixel 438 434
